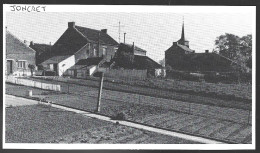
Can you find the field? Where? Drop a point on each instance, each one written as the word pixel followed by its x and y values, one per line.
pixel 38 124
pixel 223 95
pixel 232 126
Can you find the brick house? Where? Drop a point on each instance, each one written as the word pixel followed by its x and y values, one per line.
pixel 78 43
pixel 181 58
pixel 18 56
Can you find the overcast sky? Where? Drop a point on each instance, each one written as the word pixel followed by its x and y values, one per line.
pixel 153 32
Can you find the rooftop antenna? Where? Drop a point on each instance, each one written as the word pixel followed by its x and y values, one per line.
pixel 119 30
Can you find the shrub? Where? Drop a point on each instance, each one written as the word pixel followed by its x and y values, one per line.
pixel 119 116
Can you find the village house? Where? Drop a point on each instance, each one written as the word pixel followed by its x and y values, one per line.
pixel 18 56
pixel 78 43
pixel 132 57
pixel 180 57
pixel 42 51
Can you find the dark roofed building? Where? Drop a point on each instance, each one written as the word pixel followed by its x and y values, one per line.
pixel 80 43
pixel 42 51
pixel 180 57
pixel 133 57
pixel 132 49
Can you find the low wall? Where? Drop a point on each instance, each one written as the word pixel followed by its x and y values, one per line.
pixel 33 83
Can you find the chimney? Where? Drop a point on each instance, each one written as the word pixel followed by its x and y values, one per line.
pixel 71 24
pixel 26 42
pixel 133 46
pixel 104 30
pixel 124 37
pixel 174 43
pixel 206 51
pixel 31 43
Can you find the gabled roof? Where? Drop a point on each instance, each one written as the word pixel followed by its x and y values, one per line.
pixel 40 48
pixel 15 45
pixel 56 59
pixel 136 47
pixel 93 35
pixel 185 48
pixel 144 62
pixel 129 48
pixel 90 61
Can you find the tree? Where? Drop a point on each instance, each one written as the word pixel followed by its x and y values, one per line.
pixel 227 45
pixel 239 50
pixel 32 68
pixel 235 48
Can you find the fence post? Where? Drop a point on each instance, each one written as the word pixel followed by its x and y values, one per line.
pixel 100 92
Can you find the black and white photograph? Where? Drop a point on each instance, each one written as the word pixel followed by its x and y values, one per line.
pixel 128 77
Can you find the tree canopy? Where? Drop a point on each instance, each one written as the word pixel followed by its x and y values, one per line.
pixel 235 48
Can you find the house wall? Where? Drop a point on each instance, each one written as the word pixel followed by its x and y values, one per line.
pixel 66 64
pixel 21 55
pixel 174 57
pixel 83 53
pixel 110 51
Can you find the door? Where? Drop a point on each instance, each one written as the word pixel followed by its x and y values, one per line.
pixel 55 68
pixel 9 67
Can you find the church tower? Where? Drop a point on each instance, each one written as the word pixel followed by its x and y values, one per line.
pixel 182 41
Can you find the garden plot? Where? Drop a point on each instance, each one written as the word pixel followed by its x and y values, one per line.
pixel 180 123
pixel 232 114
pixel 134 111
pixel 237 134
pixel 224 133
pixel 244 135
pixel 209 129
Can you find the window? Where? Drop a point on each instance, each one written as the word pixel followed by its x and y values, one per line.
pixel 21 64
pixel 104 51
pixel 95 52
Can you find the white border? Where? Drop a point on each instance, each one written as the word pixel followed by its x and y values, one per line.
pixel 141 9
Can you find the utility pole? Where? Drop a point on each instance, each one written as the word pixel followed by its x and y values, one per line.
pixel 100 92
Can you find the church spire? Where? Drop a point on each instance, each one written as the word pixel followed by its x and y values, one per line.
pixel 183 41
pixel 182 32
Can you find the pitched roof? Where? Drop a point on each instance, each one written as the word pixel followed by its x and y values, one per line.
pixel 90 61
pixel 56 59
pixel 136 47
pixel 144 62
pixel 15 45
pixel 207 62
pixel 40 48
pixel 185 48
pixel 93 35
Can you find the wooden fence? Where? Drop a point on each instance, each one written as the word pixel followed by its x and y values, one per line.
pixel 33 83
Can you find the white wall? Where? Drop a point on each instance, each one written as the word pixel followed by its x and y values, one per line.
pixel 66 64
pixel 92 70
